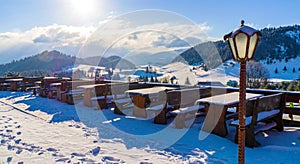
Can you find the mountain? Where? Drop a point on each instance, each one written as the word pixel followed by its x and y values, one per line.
pixel 47 61
pixel 145 58
pixel 281 43
pixel 109 62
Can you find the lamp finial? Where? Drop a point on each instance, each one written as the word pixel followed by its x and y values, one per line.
pixel 242 23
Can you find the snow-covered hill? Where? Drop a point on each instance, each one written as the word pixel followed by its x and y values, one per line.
pixel 229 70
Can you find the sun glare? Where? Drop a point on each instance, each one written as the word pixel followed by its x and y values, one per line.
pixel 84 7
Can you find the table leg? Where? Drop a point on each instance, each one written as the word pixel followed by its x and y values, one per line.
pixel 215 120
pixel 139 109
pixel 87 97
pixel 13 86
pixel 58 94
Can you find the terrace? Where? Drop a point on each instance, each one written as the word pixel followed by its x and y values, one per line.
pixel 180 118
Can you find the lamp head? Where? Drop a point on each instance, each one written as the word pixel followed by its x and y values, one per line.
pixel 243 42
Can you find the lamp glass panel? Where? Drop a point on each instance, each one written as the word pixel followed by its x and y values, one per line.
pixel 241 44
pixel 252 44
pixel 233 50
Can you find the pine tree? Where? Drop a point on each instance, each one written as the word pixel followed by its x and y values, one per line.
pixel 291 86
pixel 187 81
pixel 152 79
pixel 284 68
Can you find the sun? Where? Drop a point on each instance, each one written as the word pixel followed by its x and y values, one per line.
pixel 84 7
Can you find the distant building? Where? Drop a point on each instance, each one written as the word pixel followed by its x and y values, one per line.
pixel 211 83
pixel 232 83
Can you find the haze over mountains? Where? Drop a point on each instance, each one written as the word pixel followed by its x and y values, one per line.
pixel 276 44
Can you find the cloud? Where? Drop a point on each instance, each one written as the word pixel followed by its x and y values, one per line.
pixel 42 39
pixel 124 35
pixel 27 43
pixel 177 43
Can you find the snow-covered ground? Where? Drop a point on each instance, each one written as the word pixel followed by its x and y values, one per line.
pixel 41 130
pixel 229 70
pixel 182 71
pixel 284 75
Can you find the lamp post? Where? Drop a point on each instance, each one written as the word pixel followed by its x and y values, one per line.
pixel 242 43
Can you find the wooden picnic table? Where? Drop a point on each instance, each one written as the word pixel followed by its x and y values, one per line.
pixel 88 93
pixel 14 83
pixel 216 108
pixel 57 87
pixel 142 97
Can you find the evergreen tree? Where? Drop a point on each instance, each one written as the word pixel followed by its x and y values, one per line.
pixel 146 79
pixel 286 60
pixel 284 68
pixel 152 79
pixel 291 86
pixel 187 81
pixel 116 76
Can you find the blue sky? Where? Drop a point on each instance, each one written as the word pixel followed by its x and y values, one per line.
pixel 35 20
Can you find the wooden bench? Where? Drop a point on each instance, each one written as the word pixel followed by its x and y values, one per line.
pixel 72 95
pixel 262 114
pixel 29 83
pixel 69 91
pixel 180 103
pixel 101 93
pixel 3 84
pixel 45 85
pixel 292 105
pixel 121 101
pixel 184 114
pixel 186 109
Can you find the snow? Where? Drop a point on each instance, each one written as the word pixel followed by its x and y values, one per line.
pixel 283 75
pixel 78 134
pixel 294 35
pixel 182 71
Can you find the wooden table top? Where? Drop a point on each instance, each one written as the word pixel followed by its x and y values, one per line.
pixel 227 99
pixel 90 86
pixel 55 84
pixel 14 80
pixel 148 91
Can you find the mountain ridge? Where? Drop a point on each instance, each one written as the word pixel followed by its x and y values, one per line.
pixel 276 44
pixel 48 62
pixel 282 43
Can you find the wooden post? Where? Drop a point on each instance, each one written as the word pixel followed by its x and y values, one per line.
pixel 242 105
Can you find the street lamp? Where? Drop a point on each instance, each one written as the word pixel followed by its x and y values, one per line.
pixel 242 43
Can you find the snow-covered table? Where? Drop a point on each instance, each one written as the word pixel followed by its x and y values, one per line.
pixel 216 108
pixel 14 83
pixel 88 94
pixel 141 98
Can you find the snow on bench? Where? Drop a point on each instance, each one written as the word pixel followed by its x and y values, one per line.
pixel 260 117
pixel 264 113
pixel 187 109
pixel 182 114
pixel 264 127
pixel 122 104
pixel 123 100
pixel 70 95
pixel 156 108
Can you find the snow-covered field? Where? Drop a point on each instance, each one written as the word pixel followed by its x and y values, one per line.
pixel 229 70
pixel 41 130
